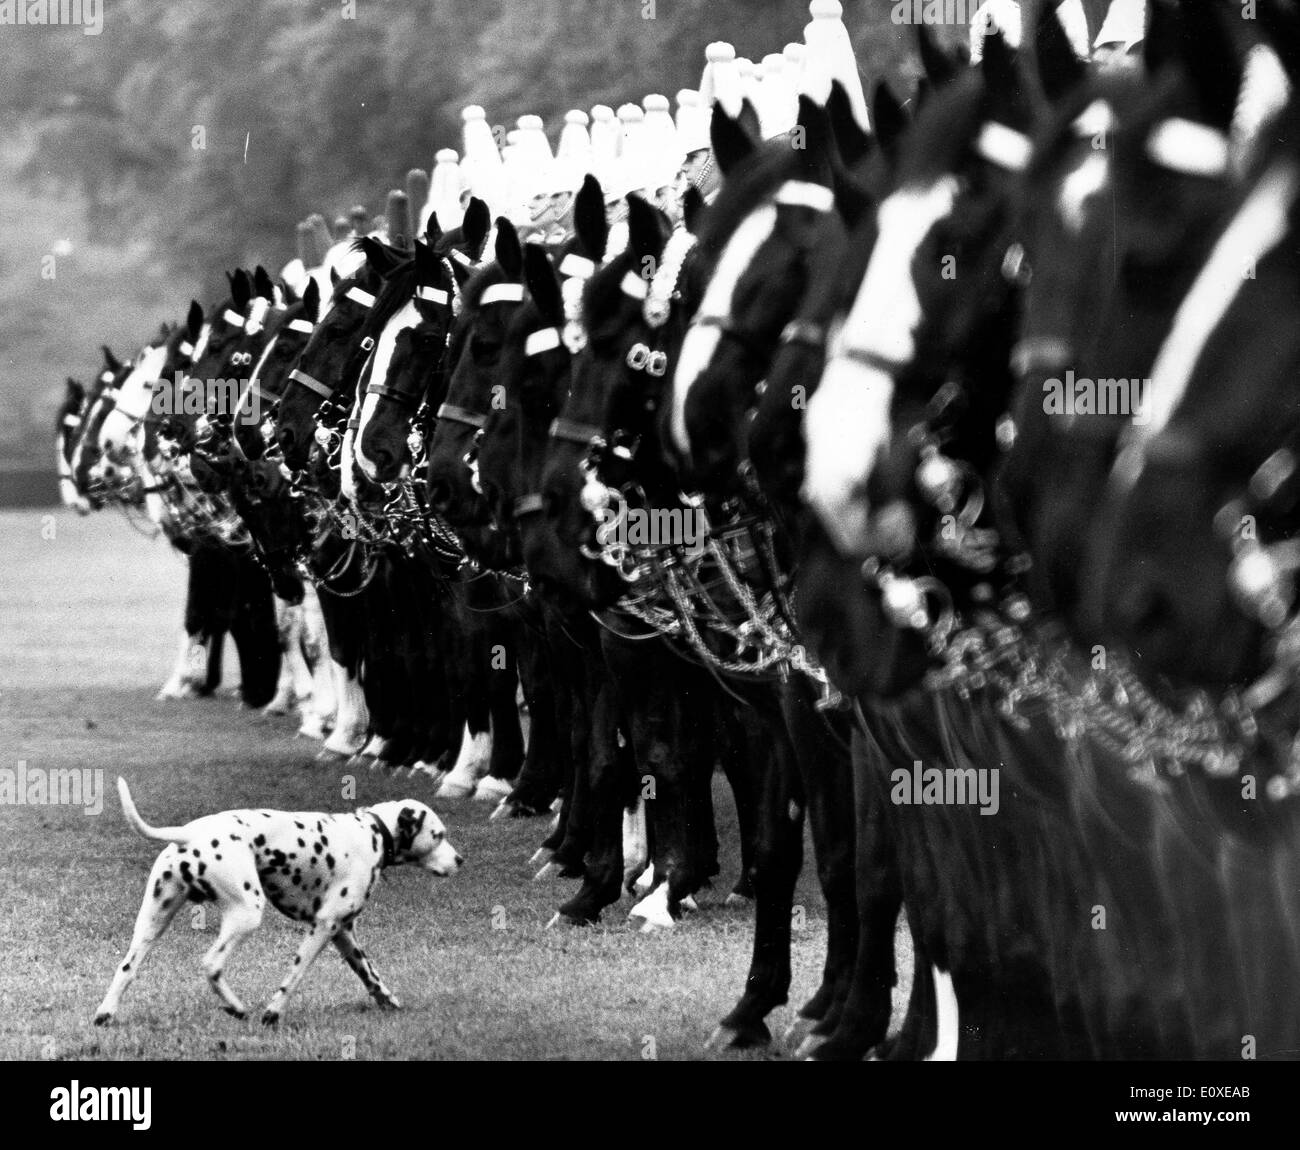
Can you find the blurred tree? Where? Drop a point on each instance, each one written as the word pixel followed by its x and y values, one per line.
pixel 212 128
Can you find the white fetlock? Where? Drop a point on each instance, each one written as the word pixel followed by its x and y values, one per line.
pixel 653 910
pixel 492 790
pixel 643 885
pixel 471 765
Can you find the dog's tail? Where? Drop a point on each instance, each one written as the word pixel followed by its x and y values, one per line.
pixel 162 834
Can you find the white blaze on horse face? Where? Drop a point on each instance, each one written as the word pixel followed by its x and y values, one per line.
pixel 1260 225
pixel 846 426
pixel 254 376
pixel 1080 186
pixel 380 363
pixel 256 315
pixel 201 344
pixel 702 340
pixel 133 399
pixel 949 1028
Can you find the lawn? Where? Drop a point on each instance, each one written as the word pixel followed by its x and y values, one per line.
pixel 88 617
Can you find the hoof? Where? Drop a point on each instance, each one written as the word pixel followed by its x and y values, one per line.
pixel 311 727
pixel 556 804
pixel 807 1049
pixel 240 1014
pixel 326 757
pixel 270 1017
pixel 739 1037
pixel 689 904
pixel 738 900
pixel 103 1018
pixel 538 856
pixel 501 811
pixel 796 1032
pixel 276 707
pixel 549 871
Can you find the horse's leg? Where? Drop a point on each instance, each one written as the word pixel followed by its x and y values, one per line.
pixel 610 773
pixel 318 715
pixel 254 632
pixel 540 776
pixel 344 621
pixel 778 858
pixel 863 1019
pixel 503 706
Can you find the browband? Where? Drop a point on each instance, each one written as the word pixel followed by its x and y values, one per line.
pixel 461 415
pixel 577 267
pixel 1189 148
pixel 364 298
pixel 1004 146
pixel 543 340
pixel 186 348
pixel 302 325
pixel 233 318
pixel 501 293
pixel 574 432
pixel 802 194
pixel 529 504
pixel 432 295
pixel 311 384
pixel 634 286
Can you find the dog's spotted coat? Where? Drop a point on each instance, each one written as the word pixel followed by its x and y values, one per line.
pixel 317 868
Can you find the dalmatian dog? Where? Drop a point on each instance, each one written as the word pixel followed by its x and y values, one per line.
pixel 316 868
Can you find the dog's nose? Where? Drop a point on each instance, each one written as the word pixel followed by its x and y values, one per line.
pixel 460 861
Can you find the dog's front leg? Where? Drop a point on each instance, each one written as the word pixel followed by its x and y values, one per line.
pixel 356 958
pixel 312 945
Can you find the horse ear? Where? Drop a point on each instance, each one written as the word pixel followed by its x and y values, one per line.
pixel 1060 71
pixel 749 120
pixel 111 362
pixel 379 256
pixel 1163 42
pixel 262 285
pixel 427 264
pixel 311 299
pixel 1213 63
pixel 889 118
pixel 241 291
pixel 939 67
pixel 334 277
pixel 589 220
pixel 1002 85
pixel 815 154
pixel 542 283
pixel 646 231
pixel 692 209
pixel 432 230
pixel 509 252
pixel 853 143
pixel 475 227
pixel 193 321
pixel 731 143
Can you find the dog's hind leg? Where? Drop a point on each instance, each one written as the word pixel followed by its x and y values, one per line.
pixel 162 899
pixel 238 920
pixel 356 958
pixel 308 952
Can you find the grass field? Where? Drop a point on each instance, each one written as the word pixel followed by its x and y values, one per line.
pixel 88 618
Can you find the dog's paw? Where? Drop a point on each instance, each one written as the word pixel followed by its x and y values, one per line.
pixel 103 1018
pixel 234 1013
pixel 270 1017
pixel 388 1002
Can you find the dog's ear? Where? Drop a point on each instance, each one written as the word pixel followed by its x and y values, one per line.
pixel 409 822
